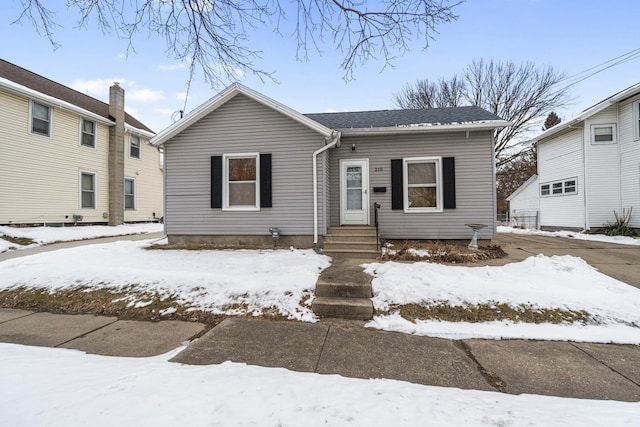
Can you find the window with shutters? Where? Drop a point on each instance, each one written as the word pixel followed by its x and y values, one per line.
pixel 40 119
pixel 241 181
pixel 422 184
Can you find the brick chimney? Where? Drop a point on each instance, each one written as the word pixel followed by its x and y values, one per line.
pixel 116 155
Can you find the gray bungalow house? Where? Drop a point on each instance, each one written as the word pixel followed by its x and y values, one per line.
pixel 241 164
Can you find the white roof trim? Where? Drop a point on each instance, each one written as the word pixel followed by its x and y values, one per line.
pixel 426 127
pixel 136 131
pixel 224 96
pixel 34 94
pixel 523 186
pixel 626 93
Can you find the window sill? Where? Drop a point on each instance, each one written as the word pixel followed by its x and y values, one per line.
pixel 423 210
pixel 241 209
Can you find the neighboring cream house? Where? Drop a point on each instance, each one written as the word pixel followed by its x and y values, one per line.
pixel 66 157
pixel 589 165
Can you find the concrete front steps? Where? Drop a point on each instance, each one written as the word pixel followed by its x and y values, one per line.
pixel 344 291
pixel 351 241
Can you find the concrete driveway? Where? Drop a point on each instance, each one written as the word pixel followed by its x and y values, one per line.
pixel 621 262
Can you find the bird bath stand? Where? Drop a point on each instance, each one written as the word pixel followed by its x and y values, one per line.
pixel 474 240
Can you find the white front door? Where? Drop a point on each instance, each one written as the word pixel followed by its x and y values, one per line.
pixel 354 192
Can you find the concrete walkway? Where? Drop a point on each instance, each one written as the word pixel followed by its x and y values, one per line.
pixel 589 371
pixel 72 244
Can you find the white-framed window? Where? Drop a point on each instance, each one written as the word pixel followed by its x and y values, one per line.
pixel 558 188
pixel 603 134
pixel 241 181
pixel 40 120
pixel 545 189
pixel 422 182
pixel 129 193
pixel 88 187
pixel 87 133
pixel 134 146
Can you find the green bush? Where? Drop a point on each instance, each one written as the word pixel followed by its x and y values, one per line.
pixel 620 227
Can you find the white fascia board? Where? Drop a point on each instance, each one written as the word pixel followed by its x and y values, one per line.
pixel 426 128
pixel 626 93
pixel 136 131
pixel 50 100
pixel 224 96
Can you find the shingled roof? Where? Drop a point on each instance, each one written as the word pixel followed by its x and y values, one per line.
pixel 48 87
pixel 404 118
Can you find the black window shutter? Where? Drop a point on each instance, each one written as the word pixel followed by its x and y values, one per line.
pixel 397 196
pixel 216 182
pixel 449 182
pixel 265 180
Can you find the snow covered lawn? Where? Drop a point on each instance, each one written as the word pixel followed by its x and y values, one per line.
pixel 539 282
pixel 45 235
pixel 59 387
pixel 621 240
pixel 219 281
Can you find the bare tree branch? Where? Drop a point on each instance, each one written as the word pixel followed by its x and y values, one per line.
pixel 521 94
pixel 214 34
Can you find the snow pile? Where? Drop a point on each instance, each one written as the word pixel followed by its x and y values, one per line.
pixel 621 240
pixel 46 235
pixel 563 282
pixel 209 280
pixel 59 387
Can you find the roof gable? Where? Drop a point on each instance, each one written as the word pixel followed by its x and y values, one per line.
pixel 35 82
pixel 591 111
pixel 222 98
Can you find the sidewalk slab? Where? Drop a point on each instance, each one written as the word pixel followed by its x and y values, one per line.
pixel 50 330
pixel 363 353
pixel 131 338
pixel 553 369
pixel 624 359
pixel 7 314
pixel 290 345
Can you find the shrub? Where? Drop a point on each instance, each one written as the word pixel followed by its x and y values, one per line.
pixel 620 227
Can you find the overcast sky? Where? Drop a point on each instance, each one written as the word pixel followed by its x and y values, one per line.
pixel 570 35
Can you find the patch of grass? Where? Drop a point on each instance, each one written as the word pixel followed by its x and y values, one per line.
pixel 440 252
pixel 23 241
pixel 121 304
pixel 487 313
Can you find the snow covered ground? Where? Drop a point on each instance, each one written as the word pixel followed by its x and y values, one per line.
pixel 46 235
pixel 621 240
pixel 59 387
pixel 210 280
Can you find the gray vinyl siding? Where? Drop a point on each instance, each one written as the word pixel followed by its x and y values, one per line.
pixel 473 174
pixel 241 126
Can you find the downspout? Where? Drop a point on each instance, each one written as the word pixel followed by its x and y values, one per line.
pixel 334 141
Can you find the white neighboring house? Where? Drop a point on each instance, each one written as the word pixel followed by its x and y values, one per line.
pixel 524 204
pixel 589 165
